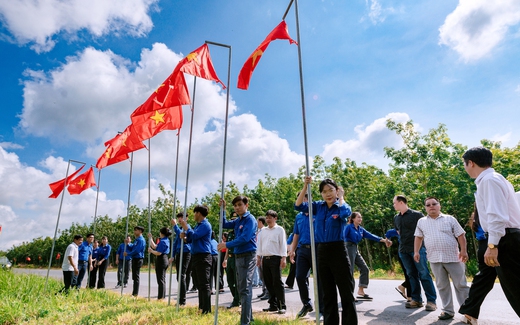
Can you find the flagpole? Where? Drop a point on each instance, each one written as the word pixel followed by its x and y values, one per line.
pixel 221 216
pixel 173 216
pixel 95 215
pixel 58 219
pixel 181 254
pixel 127 217
pixel 149 215
pixel 307 166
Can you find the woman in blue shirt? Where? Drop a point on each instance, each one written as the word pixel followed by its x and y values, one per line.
pixel 354 233
pixel 331 215
pixel 102 261
pixel 93 274
pixel 161 251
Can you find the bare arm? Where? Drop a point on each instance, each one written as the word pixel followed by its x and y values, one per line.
pixel 463 254
pixel 416 247
pixel 301 197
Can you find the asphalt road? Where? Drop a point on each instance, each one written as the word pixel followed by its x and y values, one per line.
pixel 387 307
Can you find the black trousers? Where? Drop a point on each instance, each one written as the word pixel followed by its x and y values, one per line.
pixel 189 277
pixel 292 271
pixel 213 277
pixel 303 267
pixel 161 265
pixel 181 274
pixel 136 270
pixel 334 271
pixel 273 281
pixel 93 277
pixel 231 275
pixel 102 270
pixel 509 270
pixel 122 279
pixel 67 280
pixel 482 284
pixel 201 270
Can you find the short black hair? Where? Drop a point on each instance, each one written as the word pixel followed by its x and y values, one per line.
pixel 432 198
pixel 401 198
pixel 139 228
pixel 271 213
pixel 298 195
pixel 180 215
pixel 481 156
pixel 328 181
pixel 240 198
pixel 166 231
pixel 262 220
pixel 76 237
pixel 88 235
pixel 202 209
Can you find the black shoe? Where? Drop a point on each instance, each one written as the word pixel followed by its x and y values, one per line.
pixel 233 305
pixel 305 309
pixel 265 297
pixel 261 295
pixel 270 309
pixel 445 316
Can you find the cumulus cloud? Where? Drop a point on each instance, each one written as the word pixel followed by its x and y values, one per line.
pixel 26 212
pixel 369 143
pixel 475 27
pixel 38 21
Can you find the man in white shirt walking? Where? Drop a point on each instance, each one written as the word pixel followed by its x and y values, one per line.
pixel 442 236
pixel 70 263
pixel 272 253
pixel 499 216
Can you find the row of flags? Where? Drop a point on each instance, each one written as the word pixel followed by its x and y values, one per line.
pixel 163 109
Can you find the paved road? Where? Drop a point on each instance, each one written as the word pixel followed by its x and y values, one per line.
pixel 386 308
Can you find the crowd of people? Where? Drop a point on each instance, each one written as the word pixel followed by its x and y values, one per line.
pixel 259 248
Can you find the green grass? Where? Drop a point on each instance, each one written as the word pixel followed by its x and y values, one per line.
pixel 23 300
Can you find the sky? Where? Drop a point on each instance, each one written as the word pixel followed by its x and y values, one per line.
pixel 72 73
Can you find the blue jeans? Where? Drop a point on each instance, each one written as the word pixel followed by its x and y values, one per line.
pixel 419 272
pixel 245 268
pixel 82 268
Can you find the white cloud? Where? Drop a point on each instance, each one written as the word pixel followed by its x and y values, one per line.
pixel 517 89
pixel 376 12
pixel 39 21
pixel 475 27
pixel 369 143
pixel 10 145
pixel 26 212
pixel 502 138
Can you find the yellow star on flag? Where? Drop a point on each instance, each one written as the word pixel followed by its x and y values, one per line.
pixel 81 182
pixel 192 56
pixel 157 90
pixel 107 153
pixel 158 117
pixel 123 141
pixel 257 54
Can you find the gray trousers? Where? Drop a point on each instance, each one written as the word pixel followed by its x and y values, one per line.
pixel 457 272
pixel 245 268
pixel 356 258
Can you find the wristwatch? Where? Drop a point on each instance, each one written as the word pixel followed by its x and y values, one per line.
pixel 492 246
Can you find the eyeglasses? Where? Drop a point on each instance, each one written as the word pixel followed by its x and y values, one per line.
pixel 431 204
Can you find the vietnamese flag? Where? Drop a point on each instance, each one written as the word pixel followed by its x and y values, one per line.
pixel 82 182
pixel 168 98
pixel 58 186
pixel 279 32
pixel 198 63
pixel 119 147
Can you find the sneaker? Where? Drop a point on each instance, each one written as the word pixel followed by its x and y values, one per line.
pixel 303 312
pixel 430 306
pixel 445 316
pixel 281 311
pixel 288 287
pixel 265 297
pixel 124 286
pixel 233 305
pixel 321 317
pixel 413 304
pixel 270 309
pixel 118 286
pixel 467 319
pixel 261 295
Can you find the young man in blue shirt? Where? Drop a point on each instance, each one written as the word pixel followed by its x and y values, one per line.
pixel 200 239
pixel 136 253
pixel 186 257
pixel 244 246
pixel 123 263
pixel 85 260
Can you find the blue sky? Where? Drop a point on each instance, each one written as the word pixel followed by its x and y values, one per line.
pixel 72 74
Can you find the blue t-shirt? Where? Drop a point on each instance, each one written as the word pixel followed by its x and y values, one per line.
pixel 164 245
pixel 353 235
pixel 302 228
pixel 329 223
pixel 200 238
pixel 177 242
pixel 245 233
pixel 104 252
pixel 214 244
pixel 95 253
pixel 121 250
pixel 137 248
pixel 84 251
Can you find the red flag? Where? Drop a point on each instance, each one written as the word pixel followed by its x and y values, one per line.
pixel 82 182
pixel 58 186
pixel 169 97
pixel 280 32
pixel 198 63
pixel 119 147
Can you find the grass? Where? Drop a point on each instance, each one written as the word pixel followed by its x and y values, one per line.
pixel 23 300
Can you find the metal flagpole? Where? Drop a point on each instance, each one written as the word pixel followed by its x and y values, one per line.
pixel 173 216
pixel 58 219
pixel 127 217
pixel 181 254
pixel 221 217
pixel 149 216
pixel 95 216
pixel 307 166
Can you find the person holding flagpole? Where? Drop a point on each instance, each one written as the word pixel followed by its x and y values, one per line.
pixel 161 251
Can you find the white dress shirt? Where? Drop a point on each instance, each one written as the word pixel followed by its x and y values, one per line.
pixel 272 242
pixel 497 205
pixel 72 250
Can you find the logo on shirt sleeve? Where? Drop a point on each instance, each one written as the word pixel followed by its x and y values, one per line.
pixel 240 227
pixel 335 216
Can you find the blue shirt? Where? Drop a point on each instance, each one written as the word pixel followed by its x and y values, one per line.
pixel 84 251
pixel 164 245
pixel 95 253
pixel 104 252
pixel 353 235
pixel 177 242
pixel 391 233
pixel 302 228
pixel 136 250
pixel 214 250
pixel 480 234
pixel 329 223
pixel 245 233
pixel 290 239
pixel 121 250
pixel 200 238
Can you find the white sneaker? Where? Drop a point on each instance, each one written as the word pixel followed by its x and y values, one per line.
pixel 466 319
